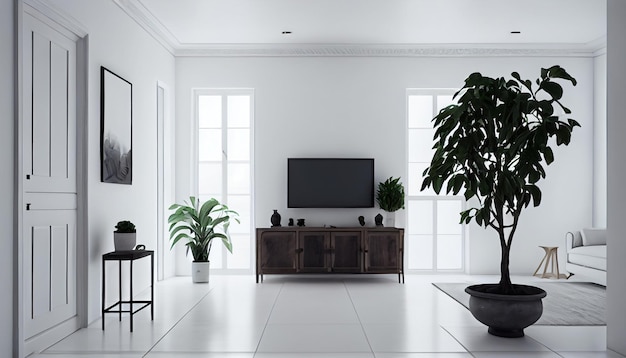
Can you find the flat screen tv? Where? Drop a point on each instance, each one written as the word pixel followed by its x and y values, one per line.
pixel 330 183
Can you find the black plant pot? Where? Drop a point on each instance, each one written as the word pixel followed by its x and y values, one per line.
pixel 506 315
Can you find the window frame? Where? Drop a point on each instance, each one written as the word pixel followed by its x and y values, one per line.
pixel 194 179
pixel 434 92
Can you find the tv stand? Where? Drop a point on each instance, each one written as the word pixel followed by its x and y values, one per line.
pixel 295 250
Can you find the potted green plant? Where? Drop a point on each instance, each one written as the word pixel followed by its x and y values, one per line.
pixel 124 236
pixel 198 224
pixel 390 198
pixel 492 145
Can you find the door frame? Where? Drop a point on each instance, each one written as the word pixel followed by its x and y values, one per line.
pixel 65 24
pixel 166 195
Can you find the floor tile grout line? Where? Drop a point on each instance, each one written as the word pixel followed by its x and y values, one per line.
pixel 282 285
pixel 178 321
pixel 358 318
pixel 459 342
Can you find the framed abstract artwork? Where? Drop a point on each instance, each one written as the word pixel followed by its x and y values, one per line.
pixel 116 128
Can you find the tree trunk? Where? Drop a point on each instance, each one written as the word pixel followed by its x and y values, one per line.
pixel 505 278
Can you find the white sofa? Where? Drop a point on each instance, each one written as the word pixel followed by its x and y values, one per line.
pixel 586 254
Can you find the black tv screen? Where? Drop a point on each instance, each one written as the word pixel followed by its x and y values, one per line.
pixel 330 183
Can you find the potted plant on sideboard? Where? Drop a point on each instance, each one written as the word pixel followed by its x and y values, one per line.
pixel 492 145
pixel 199 223
pixel 124 236
pixel 390 198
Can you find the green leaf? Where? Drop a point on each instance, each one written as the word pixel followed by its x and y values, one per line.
pixel 559 72
pixel 548 155
pixel 573 123
pixel 437 184
pixel 536 194
pixel 553 89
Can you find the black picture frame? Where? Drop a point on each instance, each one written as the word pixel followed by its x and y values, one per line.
pixel 116 128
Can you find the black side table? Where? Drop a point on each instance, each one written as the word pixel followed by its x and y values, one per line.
pixel 130 256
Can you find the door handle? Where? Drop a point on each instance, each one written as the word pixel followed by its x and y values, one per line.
pixel 28 206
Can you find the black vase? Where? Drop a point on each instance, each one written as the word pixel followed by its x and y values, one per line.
pixel 361 220
pixel 275 219
pixel 378 219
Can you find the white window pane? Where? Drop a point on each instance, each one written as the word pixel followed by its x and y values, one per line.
pixel 210 144
pixel 420 217
pixel 210 111
pixel 238 144
pixel 239 178
pixel 449 252
pixel 209 178
pixel 240 258
pixel 420 252
pixel 448 217
pixel 215 256
pixel 209 196
pixel 420 145
pixel 242 205
pixel 238 111
pixel 444 101
pixel 420 111
pixel 415 180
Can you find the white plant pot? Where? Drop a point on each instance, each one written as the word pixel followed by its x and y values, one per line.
pixel 124 241
pixel 390 219
pixel 200 271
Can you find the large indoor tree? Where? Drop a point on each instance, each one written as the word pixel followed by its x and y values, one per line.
pixel 493 144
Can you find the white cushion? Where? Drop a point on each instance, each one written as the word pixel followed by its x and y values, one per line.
pixel 591 256
pixel 594 237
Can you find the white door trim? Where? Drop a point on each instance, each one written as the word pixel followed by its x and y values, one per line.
pixel 165 181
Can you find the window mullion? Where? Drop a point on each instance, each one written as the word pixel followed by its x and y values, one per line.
pixel 224 165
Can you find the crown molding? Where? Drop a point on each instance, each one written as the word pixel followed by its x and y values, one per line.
pixel 383 50
pixel 138 12
pixel 150 23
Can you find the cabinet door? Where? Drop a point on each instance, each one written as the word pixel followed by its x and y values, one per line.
pixel 313 248
pixel 277 252
pixel 382 251
pixel 346 248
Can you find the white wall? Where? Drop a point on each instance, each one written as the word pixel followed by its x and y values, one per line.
pixel 119 44
pixel 599 142
pixel 355 107
pixel 616 225
pixel 7 155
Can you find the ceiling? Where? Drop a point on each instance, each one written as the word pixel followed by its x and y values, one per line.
pixel 210 24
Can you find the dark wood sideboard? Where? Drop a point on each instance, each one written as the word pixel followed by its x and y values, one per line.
pixel 294 250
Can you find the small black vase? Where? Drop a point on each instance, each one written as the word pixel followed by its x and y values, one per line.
pixel 378 219
pixel 275 219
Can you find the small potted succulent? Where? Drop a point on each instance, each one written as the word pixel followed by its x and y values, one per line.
pixel 390 197
pixel 124 236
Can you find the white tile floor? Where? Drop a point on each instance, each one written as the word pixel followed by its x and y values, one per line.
pixel 319 317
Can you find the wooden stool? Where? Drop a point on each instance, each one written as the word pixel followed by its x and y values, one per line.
pixel 551 256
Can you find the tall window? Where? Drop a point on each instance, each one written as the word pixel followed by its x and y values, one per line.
pixel 435 239
pixel 225 167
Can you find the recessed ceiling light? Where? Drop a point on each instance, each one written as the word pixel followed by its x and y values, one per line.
pixel 286 32
pixel 516 32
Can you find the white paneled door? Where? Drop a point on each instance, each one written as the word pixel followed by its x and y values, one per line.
pixel 49 181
